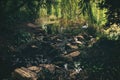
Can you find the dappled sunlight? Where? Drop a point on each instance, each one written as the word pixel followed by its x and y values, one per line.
pixel 113 32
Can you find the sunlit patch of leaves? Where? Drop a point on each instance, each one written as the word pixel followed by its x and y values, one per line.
pixel 113 33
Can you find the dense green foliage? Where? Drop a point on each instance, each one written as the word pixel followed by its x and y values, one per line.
pixel 113 10
pixel 14 12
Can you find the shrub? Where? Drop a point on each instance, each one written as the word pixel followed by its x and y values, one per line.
pixel 113 33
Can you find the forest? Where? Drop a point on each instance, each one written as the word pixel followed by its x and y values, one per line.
pixel 59 40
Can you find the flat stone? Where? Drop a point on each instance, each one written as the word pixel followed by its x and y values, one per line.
pixel 24 74
pixel 72 54
pixel 72 46
pixel 35 69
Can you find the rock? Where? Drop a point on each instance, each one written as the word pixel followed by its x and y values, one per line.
pixel 72 54
pixel 71 46
pixel 35 69
pixel 31 73
pixel 34 46
pixel 49 67
pixel 43 72
pixel 80 37
pixel 77 41
pixel 24 74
